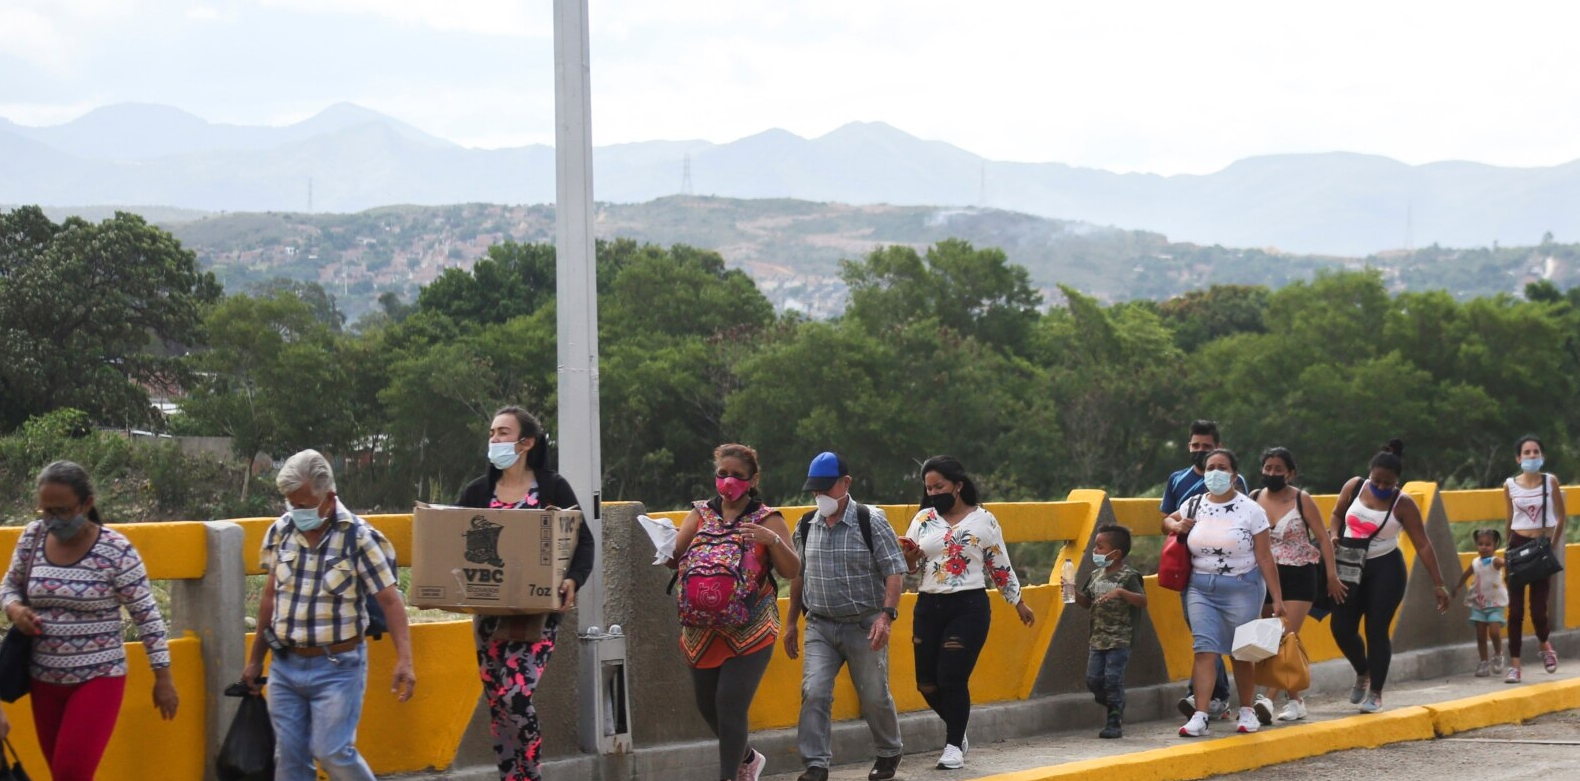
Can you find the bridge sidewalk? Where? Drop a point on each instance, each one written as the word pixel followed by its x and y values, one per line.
pixel 1066 754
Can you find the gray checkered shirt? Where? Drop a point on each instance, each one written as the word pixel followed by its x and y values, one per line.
pixel 844 580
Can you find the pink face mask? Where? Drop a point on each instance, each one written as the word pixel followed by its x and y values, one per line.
pixel 731 488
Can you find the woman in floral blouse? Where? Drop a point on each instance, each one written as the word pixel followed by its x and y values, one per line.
pixel 960 551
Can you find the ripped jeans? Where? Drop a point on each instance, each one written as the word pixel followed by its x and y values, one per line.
pixel 948 632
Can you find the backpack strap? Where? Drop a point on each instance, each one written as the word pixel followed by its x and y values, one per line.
pixel 863 520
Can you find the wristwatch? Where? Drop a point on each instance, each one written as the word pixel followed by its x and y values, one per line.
pixel 891 613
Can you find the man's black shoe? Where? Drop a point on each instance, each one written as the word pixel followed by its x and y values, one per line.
pixel 814 774
pixel 883 769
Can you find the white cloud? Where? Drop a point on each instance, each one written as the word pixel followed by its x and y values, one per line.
pixel 203 13
pixel 482 17
pixel 31 37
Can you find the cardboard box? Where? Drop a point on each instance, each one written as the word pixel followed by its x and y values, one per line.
pixel 491 562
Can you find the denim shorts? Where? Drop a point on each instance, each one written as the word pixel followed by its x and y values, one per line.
pixel 1487 615
pixel 1218 604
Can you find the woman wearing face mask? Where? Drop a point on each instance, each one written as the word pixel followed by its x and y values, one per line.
pixel 1300 553
pixel 513 650
pixel 1231 569
pixel 1370 513
pixel 728 659
pixel 79 664
pixel 961 552
pixel 1534 503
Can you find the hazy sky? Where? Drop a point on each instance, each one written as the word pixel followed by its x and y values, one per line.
pixel 1168 87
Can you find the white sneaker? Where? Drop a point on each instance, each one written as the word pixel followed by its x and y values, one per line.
pixel 1372 703
pixel 1294 710
pixel 1264 709
pixel 1248 721
pixel 965 745
pixel 1497 664
pixel 1196 727
pixel 952 759
pixel 1217 708
pixel 752 770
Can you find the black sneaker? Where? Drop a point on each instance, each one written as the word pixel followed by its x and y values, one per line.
pixel 882 769
pixel 1114 728
pixel 814 773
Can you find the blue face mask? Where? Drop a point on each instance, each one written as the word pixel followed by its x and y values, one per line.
pixel 306 518
pixel 1218 482
pixel 503 455
pixel 1100 559
pixel 1381 493
pixel 1530 465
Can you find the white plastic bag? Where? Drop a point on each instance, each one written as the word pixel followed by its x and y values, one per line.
pixel 662 532
pixel 1258 639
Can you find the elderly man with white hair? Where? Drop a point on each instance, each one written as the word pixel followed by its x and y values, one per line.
pixel 322 561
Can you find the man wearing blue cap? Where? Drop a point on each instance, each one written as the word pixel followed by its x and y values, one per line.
pixel 852 573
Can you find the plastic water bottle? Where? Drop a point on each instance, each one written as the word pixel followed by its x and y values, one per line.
pixel 1067 582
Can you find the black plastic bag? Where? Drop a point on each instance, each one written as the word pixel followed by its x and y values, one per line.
pixel 16 657
pixel 11 770
pixel 248 751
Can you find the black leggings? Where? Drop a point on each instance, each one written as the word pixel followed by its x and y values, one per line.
pixel 1376 599
pixel 948 632
pixel 724 694
pixel 1539 592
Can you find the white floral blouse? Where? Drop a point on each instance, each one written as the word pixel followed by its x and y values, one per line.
pixel 965 557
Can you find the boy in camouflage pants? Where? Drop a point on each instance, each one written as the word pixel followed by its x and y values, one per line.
pixel 1116 597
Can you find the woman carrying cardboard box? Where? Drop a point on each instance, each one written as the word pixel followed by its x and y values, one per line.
pixel 513 650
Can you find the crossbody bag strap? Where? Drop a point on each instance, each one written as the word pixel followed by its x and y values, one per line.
pixel 38 550
pixel 1544 500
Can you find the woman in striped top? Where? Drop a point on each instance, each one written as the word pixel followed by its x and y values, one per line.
pixel 69 578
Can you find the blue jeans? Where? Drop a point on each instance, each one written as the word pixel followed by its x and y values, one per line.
pixel 1105 677
pixel 829 646
pixel 315 703
pixel 1220 686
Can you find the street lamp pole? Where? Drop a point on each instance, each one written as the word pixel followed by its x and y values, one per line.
pixel 603 724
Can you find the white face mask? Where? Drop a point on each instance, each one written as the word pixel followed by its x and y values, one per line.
pixel 1218 482
pixel 502 454
pixel 826 505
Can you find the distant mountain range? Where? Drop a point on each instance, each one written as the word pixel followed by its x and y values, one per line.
pixel 1334 204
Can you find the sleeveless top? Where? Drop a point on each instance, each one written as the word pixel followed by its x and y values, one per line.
pixel 1528 505
pixel 1291 540
pixel 709 647
pixel 1487 589
pixel 1361 521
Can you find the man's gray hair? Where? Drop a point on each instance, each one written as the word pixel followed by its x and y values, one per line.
pixel 308 467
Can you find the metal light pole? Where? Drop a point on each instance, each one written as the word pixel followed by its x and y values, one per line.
pixel 602 718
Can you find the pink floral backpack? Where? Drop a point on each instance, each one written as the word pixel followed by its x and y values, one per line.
pixel 720 578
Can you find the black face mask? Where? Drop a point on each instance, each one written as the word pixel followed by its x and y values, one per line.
pixel 941 502
pixel 1198 459
pixel 1275 483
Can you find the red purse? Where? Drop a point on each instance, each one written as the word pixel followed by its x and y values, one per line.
pixel 1174 564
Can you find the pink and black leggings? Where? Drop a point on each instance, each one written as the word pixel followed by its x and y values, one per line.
pixel 1540 590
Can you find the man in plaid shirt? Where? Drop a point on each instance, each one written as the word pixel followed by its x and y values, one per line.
pixel 849 587
pixel 321 562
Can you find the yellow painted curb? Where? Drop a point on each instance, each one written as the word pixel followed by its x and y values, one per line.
pixel 1210 757
pixel 1504 707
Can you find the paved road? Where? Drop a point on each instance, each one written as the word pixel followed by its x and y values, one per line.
pixel 1482 755
pixel 1054 749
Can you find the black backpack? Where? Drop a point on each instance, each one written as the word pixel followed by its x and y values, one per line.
pixel 378 624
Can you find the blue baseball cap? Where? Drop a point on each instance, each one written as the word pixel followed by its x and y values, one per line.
pixel 825 470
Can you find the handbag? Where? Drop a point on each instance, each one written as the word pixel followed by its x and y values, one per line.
pixel 1349 554
pixel 1174 563
pixel 1535 560
pixel 1289 669
pixel 16 650
pixel 11 770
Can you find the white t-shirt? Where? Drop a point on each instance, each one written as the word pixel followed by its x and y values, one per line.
pixel 1222 541
pixel 1528 505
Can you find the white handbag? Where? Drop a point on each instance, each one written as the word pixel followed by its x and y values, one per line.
pixel 1258 640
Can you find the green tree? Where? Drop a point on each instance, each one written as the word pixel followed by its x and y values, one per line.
pixel 272 379
pixel 91 314
pixel 977 293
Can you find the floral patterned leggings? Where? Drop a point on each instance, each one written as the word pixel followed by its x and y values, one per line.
pixel 510 670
